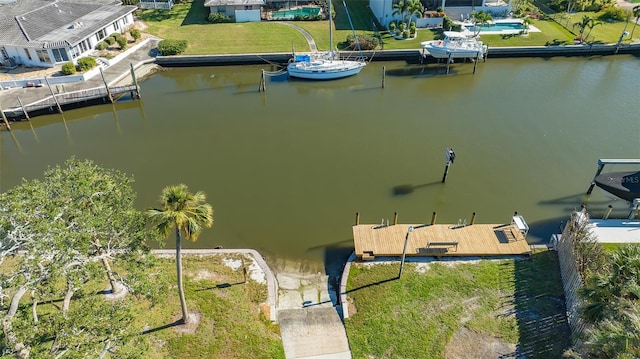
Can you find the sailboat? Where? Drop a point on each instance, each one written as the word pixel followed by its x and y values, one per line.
pixel 327 66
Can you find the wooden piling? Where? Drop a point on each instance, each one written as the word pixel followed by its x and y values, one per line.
pixel 357 218
pixel 384 74
pixel 475 63
pixel 53 95
pixel 106 86
pixel 26 114
pixel 4 118
pixel 446 171
pixel 135 80
pixel 448 64
pixel 433 218
pixel 263 85
pixel 395 218
pixel 473 218
pixel 607 212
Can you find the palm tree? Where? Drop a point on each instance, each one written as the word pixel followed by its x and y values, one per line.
pixel 593 23
pixel 526 22
pixel 480 17
pixel 414 7
pixel 188 214
pixel 582 25
pixel 636 15
pixel 400 8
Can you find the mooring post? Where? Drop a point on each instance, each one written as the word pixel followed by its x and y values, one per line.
pixel 593 181
pixel 106 86
pixel 263 85
pixel 135 80
pixel 475 63
pixel 473 218
pixel 4 118
pixel 433 218
pixel 634 208
pixel 384 74
pixel 449 62
pixel 395 218
pixel 404 250
pixel 52 94
pixel 24 109
pixel 486 52
pixel 450 155
pixel 607 212
pixel 357 218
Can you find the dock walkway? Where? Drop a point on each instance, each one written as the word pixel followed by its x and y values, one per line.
pixel 438 240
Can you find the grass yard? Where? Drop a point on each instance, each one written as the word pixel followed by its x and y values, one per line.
pixel 231 324
pixel 458 309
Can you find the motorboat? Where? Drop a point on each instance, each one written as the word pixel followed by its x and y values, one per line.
pixel 625 185
pixel 456 44
pixel 325 66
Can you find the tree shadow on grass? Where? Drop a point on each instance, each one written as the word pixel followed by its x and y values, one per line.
pixel 219 286
pixel 197 14
pixel 162 327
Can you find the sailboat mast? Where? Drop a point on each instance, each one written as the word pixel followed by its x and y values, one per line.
pixel 330 31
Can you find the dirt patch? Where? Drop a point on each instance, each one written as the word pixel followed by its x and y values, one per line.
pixel 191 327
pixel 469 344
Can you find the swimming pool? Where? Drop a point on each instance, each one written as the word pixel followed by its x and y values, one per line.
pixel 500 27
pixel 290 14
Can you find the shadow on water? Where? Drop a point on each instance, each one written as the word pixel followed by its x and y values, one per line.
pixel 543 229
pixel 405 189
pixel 538 305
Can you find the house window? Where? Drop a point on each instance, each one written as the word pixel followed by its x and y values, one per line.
pixel 116 25
pixel 101 34
pixel 60 55
pixel 43 56
pixel 26 51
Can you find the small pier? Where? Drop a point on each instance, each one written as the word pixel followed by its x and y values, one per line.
pixel 441 240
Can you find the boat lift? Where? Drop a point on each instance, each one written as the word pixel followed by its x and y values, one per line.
pixel 611 161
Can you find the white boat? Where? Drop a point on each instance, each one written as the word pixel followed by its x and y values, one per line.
pixel 455 45
pixel 327 66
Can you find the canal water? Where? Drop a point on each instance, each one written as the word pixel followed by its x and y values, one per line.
pixel 287 170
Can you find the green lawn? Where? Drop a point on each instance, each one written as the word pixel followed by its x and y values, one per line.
pixel 187 20
pixel 519 301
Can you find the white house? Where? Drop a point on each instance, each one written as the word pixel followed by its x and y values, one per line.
pixel 46 33
pixel 240 10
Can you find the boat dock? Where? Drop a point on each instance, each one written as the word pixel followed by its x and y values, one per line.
pixel 441 240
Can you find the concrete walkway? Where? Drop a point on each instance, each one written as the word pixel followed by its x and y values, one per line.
pixel 307 35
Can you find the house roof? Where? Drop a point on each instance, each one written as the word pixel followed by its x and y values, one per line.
pixel 50 24
pixel 210 3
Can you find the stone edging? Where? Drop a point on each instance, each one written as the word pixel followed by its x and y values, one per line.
pixel 272 284
pixel 343 286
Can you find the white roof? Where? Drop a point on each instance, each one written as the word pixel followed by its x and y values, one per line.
pixel 616 230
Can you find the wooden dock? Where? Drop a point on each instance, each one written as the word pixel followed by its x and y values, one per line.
pixel 438 240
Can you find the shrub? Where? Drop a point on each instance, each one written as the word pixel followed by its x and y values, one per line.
pixel 172 47
pixel 367 42
pixel 122 42
pixel 68 68
pixel 612 13
pixel 86 63
pixel 392 26
pixel 135 34
pixel 405 34
pixel 101 45
pixel 109 40
pixel 218 18
pixel 115 36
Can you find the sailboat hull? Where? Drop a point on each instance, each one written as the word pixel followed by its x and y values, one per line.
pixel 625 185
pixel 322 69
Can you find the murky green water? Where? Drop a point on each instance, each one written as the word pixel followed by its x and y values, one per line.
pixel 286 171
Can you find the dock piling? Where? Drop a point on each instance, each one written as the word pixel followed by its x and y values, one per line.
pixel 135 80
pixel 384 73
pixel 106 86
pixel 357 218
pixel 53 95
pixel 449 62
pixel 263 86
pixel 433 218
pixel 4 118
pixel 607 212
pixel 26 114
pixel 475 62
pixel 473 218
pixel 395 218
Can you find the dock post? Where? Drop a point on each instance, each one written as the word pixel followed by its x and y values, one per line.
pixel 135 80
pixel 357 218
pixel 449 62
pixel 593 181
pixel 106 86
pixel 484 56
pixel 404 250
pixel 53 95
pixel 475 63
pixel 4 118
pixel 433 218
pixel 384 73
pixel 395 218
pixel 263 85
pixel 608 212
pixel 24 109
pixel 450 156
pixel 473 218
